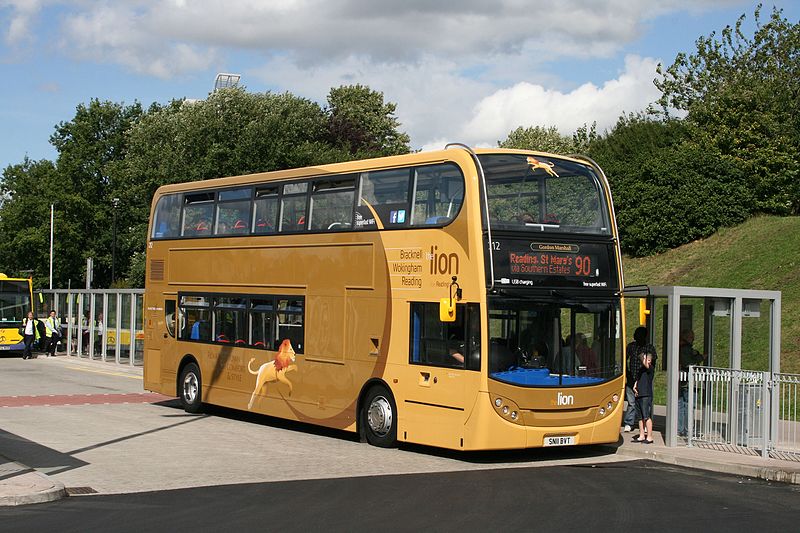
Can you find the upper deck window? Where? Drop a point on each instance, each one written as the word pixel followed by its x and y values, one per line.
pixel 383 197
pixel 198 212
pixel 293 207
pixel 265 216
pixel 529 193
pixel 438 194
pixel 233 212
pixel 332 204
pixel 167 223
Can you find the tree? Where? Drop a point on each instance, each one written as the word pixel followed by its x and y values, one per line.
pixel 360 122
pixel 25 244
pixel 234 132
pixel 80 185
pixel 549 139
pixel 741 97
pixel 668 190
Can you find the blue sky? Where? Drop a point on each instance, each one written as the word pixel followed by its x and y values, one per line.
pixel 468 73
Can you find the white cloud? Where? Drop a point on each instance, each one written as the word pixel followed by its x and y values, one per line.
pixel 526 104
pixel 19 23
pixel 320 31
pixel 122 35
pixel 468 71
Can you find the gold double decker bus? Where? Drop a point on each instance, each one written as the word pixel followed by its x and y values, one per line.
pixel 465 299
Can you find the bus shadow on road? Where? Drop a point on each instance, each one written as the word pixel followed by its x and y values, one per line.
pixel 530 455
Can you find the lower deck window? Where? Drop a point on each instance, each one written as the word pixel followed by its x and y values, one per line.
pixel 454 344
pixel 261 322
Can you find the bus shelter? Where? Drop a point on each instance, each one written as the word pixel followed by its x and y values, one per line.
pixel 721 320
pixel 98 324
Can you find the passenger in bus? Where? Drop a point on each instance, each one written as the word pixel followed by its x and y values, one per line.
pixel 533 345
pixel 526 218
pixel 457 353
pixel 199 330
pixel 585 354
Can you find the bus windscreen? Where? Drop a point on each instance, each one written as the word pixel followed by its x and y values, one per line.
pixel 15 302
pixel 536 194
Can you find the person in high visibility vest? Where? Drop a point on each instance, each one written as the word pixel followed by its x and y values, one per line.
pixel 52 332
pixel 31 333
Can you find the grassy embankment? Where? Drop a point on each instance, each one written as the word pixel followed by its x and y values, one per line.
pixel 762 253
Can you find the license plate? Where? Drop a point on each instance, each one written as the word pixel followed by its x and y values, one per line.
pixel 5 347
pixel 559 441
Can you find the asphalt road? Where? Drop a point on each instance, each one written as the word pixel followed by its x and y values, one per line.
pixel 628 496
pixel 155 468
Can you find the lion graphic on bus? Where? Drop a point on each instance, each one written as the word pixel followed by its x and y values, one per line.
pixel 274 370
pixel 544 165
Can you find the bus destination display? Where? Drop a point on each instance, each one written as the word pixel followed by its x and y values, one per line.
pixel 551 264
pixel 553 260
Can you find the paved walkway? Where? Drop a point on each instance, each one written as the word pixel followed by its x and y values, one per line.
pixel 21 485
pixel 709 459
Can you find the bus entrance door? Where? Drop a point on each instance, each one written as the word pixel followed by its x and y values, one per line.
pixel 434 407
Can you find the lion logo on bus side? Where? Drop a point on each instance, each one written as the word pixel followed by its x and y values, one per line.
pixel 274 370
pixel 547 167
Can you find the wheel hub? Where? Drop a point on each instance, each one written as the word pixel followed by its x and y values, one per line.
pixel 379 416
pixel 190 387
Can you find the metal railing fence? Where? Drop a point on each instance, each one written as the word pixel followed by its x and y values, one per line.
pixel 98 324
pixel 745 411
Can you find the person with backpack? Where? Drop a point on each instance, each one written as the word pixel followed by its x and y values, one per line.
pixel 632 353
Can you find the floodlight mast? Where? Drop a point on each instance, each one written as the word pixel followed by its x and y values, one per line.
pixel 226 80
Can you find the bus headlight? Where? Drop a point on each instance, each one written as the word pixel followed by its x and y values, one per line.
pixel 615 398
pixel 602 411
pixel 609 406
pixel 508 410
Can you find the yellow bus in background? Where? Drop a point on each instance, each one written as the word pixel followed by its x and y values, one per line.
pixel 465 299
pixel 16 299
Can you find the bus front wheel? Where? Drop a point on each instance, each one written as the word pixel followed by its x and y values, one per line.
pixel 379 417
pixel 190 388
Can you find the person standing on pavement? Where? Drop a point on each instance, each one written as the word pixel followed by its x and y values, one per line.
pixel 643 390
pixel 52 327
pixel 687 356
pixel 31 334
pixel 633 353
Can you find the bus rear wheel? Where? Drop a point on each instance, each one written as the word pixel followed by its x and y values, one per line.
pixel 190 388
pixel 379 417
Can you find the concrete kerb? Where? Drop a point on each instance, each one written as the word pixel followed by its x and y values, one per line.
pixel 729 464
pixel 21 485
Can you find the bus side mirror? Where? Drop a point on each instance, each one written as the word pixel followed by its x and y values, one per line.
pixel 447 310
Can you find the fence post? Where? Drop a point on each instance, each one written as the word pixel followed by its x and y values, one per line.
pixel 766 386
pixel 689 408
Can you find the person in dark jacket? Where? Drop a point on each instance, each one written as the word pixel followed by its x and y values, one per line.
pixel 643 389
pixel 30 335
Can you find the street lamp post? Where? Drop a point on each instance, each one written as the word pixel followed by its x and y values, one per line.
pixel 115 203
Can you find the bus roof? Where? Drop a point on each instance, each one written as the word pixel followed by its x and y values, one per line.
pixel 430 157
